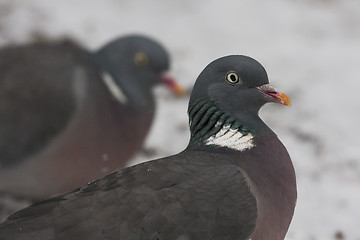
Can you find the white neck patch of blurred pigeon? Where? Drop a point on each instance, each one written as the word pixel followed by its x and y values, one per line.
pixel 231 138
pixel 114 89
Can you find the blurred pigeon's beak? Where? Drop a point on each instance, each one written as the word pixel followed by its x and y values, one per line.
pixel 275 95
pixel 172 84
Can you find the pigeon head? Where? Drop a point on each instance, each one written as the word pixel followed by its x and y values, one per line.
pixel 134 64
pixel 236 83
pixel 228 94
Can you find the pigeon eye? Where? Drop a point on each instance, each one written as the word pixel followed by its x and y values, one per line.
pixel 232 78
pixel 141 59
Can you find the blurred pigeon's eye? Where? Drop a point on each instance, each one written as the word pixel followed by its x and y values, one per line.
pixel 232 78
pixel 141 59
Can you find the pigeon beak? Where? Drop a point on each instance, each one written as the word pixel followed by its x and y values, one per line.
pixel 172 84
pixel 275 95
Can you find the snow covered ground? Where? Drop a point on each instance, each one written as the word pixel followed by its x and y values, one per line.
pixel 310 48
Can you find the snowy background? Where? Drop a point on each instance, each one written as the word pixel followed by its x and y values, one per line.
pixel 311 50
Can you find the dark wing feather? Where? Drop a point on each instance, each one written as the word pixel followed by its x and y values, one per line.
pixel 180 197
pixel 36 96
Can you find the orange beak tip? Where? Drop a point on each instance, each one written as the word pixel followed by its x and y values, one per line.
pixel 285 100
pixel 179 91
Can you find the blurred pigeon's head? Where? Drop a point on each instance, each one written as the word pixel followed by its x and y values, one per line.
pixel 135 64
pixel 236 83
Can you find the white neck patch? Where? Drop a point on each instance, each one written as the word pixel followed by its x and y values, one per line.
pixel 231 138
pixel 114 89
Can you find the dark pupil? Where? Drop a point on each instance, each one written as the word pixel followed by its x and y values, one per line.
pixel 233 78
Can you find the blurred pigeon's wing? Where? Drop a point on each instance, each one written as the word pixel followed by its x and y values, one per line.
pixel 37 97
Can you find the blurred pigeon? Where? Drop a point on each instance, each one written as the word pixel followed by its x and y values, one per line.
pixel 69 116
pixel 234 181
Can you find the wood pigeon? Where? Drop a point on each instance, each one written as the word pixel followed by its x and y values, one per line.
pixel 69 116
pixel 234 181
